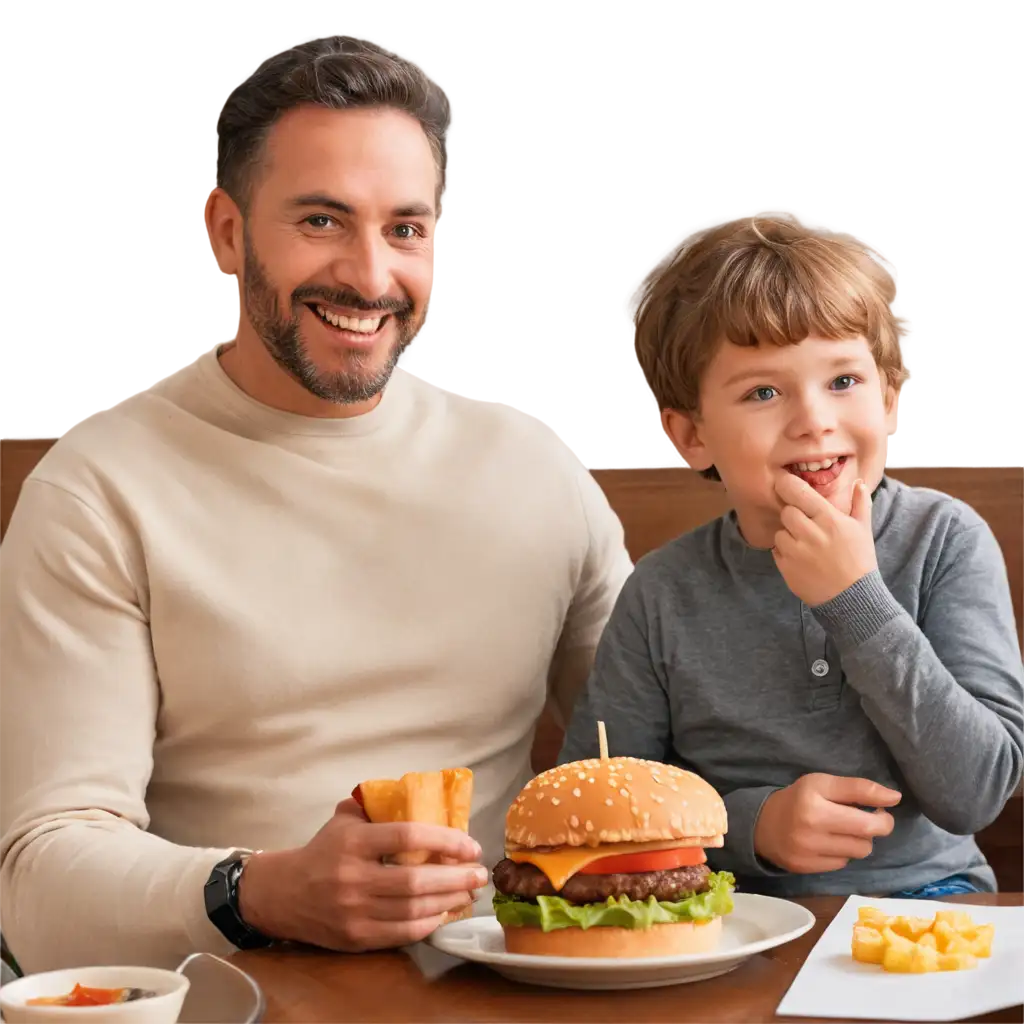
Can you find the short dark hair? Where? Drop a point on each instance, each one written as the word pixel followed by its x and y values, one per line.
pixel 338 72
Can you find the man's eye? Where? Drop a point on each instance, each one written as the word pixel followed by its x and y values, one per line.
pixel 764 394
pixel 843 383
pixel 319 221
pixel 407 231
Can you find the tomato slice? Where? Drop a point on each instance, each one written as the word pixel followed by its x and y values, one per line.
pixel 656 860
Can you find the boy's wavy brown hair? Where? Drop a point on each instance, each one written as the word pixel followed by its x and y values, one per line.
pixel 765 280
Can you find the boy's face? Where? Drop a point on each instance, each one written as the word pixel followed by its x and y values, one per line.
pixel 772 410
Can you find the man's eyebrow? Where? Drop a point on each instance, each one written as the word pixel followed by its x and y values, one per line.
pixel 327 202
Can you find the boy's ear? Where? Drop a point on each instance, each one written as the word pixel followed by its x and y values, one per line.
pixel 892 402
pixel 684 432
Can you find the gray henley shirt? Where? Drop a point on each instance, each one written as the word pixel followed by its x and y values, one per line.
pixel 912 677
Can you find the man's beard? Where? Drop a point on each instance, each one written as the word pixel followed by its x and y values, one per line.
pixel 282 336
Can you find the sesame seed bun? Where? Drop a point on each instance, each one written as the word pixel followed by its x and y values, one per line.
pixel 618 800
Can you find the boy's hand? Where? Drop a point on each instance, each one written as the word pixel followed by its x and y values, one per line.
pixel 819 550
pixel 811 826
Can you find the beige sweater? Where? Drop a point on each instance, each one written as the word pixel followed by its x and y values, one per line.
pixel 217 618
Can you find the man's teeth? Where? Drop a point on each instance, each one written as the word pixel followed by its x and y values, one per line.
pixel 813 467
pixel 349 323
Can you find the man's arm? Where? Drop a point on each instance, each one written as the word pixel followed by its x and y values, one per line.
pixel 945 695
pixel 82 881
pixel 606 566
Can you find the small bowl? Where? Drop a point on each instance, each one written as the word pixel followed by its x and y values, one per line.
pixel 163 1008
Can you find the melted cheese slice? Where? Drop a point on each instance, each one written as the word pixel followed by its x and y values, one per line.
pixel 561 864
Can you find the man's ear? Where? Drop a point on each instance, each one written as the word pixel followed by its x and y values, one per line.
pixel 684 432
pixel 224 225
pixel 892 403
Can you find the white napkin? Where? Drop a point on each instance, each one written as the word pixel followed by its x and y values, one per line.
pixel 832 984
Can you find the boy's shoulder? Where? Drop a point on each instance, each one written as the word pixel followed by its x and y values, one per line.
pixel 923 516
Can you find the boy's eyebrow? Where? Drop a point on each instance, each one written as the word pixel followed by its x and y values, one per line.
pixel 323 200
pixel 835 363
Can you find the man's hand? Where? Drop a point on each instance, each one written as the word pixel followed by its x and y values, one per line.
pixel 819 550
pixel 335 892
pixel 811 826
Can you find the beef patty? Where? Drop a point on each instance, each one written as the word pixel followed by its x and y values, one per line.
pixel 529 882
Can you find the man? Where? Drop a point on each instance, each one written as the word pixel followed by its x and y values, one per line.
pixel 289 567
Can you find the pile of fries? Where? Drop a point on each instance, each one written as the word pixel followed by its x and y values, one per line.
pixel 950 941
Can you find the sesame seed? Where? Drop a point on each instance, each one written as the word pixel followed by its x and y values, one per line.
pixel 555 801
pixel 581 775
pixel 609 801
pixel 589 826
pixel 540 796
pixel 675 788
pixel 561 778
pixel 554 785
pixel 591 779
pixel 574 821
pixel 659 799
pixel 629 778
pixel 612 783
pixel 623 792
pixel 576 792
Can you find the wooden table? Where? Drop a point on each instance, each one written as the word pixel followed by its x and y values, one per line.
pixel 308 986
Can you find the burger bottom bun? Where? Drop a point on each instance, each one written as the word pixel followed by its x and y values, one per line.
pixel 617 943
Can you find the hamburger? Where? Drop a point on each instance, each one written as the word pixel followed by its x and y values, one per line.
pixel 605 858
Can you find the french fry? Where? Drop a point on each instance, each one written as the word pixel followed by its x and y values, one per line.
pixel 868 945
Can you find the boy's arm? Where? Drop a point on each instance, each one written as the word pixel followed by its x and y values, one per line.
pixel 82 881
pixel 945 696
pixel 606 567
pixel 627 690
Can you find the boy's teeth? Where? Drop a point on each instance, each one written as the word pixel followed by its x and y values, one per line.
pixel 813 467
pixel 349 323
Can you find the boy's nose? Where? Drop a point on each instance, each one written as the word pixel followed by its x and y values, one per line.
pixel 811 417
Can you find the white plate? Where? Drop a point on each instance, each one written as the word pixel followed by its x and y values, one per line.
pixel 757 923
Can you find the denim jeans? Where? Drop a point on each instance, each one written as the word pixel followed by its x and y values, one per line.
pixel 952 886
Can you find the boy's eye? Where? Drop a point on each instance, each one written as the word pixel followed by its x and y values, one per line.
pixel 843 383
pixel 762 394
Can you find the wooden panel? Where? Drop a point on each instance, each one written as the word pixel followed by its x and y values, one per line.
pixel 17 460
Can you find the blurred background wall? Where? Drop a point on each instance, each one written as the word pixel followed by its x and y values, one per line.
pixel 581 148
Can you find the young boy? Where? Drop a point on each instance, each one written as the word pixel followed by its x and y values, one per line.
pixel 837 655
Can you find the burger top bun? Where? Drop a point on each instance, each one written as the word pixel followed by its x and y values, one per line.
pixel 617 800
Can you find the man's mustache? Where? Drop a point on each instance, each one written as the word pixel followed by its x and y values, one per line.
pixel 353 300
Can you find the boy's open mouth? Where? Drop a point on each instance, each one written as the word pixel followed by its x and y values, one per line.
pixel 818 473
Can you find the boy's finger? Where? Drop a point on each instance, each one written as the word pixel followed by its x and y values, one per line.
pixel 843 789
pixel 860 509
pixel 794 491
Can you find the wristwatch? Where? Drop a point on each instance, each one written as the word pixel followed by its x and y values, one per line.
pixel 221 897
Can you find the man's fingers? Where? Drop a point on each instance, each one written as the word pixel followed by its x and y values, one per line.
pixel 842 820
pixel 415 908
pixel 376 841
pixel 425 879
pixel 842 789
pixel 372 934
pixel 840 846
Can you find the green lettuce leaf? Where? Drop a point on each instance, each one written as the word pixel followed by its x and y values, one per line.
pixel 550 913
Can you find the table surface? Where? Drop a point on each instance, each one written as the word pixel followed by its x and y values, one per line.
pixel 310 985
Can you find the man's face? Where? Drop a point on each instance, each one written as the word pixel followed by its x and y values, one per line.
pixel 817 409
pixel 339 247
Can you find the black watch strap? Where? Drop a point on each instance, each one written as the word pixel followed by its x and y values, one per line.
pixel 221 897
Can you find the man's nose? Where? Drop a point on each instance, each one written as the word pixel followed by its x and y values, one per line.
pixel 365 266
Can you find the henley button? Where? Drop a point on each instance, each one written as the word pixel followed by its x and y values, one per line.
pixel 820 668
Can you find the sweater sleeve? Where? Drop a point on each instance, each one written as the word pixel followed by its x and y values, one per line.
pixel 606 566
pixel 82 880
pixel 626 690
pixel 945 693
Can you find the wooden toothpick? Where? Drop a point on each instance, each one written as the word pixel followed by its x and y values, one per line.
pixel 602 739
